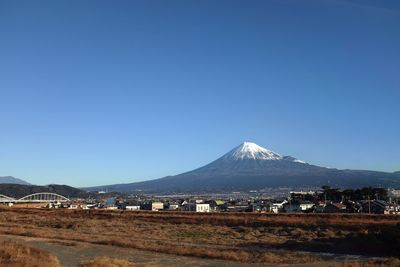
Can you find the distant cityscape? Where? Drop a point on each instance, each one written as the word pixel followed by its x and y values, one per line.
pixel 326 200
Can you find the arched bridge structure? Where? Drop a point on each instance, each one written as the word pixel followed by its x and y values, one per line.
pixel 44 197
pixel 6 199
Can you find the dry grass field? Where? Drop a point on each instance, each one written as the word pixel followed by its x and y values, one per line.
pixel 243 237
pixel 17 255
pixel 106 262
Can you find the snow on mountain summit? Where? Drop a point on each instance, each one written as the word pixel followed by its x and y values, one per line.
pixel 252 151
pixel 249 150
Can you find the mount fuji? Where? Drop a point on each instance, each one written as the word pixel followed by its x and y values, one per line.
pixel 252 167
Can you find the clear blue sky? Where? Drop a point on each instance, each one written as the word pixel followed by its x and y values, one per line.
pixel 100 92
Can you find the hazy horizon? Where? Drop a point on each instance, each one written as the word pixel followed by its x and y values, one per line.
pixel 108 92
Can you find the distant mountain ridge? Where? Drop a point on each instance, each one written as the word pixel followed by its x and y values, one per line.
pixel 12 180
pixel 251 167
pixel 19 190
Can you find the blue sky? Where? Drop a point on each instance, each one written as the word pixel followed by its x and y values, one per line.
pixel 100 92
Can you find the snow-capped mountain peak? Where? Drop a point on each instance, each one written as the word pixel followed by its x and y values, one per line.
pixel 252 151
pixel 249 150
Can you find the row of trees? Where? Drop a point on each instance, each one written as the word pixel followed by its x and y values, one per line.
pixel 366 193
pixel 337 195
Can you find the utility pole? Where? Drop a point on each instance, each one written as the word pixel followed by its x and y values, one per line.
pixel 369 204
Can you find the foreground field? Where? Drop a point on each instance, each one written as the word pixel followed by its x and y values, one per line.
pixel 251 238
pixel 74 253
pixel 14 254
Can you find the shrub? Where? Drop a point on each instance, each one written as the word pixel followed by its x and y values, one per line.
pixel 106 262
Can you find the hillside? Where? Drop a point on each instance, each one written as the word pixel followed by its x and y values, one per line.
pixel 12 180
pixel 18 191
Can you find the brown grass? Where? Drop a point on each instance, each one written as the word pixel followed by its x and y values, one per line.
pixel 106 262
pixel 13 254
pixel 392 262
pixel 247 237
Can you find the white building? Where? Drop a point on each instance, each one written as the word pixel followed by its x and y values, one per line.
pixel 132 207
pixel 156 206
pixel 202 207
pixel 276 207
pixel 298 205
pixel 306 205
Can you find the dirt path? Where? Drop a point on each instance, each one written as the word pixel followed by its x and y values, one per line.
pixel 71 253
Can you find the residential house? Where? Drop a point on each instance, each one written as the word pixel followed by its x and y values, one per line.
pixel 152 205
pixel 216 205
pixel 202 207
pixel 198 207
pixel 129 205
pixel 380 207
pixel 110 203
pixel 298 205
pixel 236 207
pixel 331 207
pixel 132 207
pixel 276 206
pixel 173 206
pixel 156 206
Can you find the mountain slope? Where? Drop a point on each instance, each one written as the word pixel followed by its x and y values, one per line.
pixel 19 190
pixel 249 167
pixel 12 180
